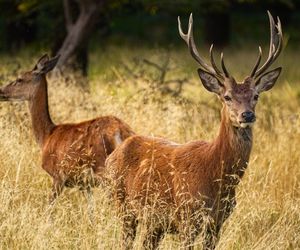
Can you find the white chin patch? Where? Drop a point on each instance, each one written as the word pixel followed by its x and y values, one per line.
pixel 246 124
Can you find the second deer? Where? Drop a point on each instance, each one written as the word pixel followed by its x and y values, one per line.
pixel 72 154
pixel 190 188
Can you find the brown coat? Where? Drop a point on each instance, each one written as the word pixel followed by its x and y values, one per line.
pixel 169 177
pixel 72 154
pixel 190 181
pixel 70 149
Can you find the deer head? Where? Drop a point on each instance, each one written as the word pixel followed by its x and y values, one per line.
pixel 239 99
pixel 23 88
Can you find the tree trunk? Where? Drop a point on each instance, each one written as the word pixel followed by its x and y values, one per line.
pixel 78 32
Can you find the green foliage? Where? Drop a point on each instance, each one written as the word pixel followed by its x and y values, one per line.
pixel 214 6
pixel 27 5
pixel 29 20
pixel 287 3
pixel 41 22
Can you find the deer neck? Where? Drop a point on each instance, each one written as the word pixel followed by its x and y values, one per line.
pixel 38 105
pixel 234 147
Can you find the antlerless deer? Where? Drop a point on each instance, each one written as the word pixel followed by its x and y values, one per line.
pixel 190 188
pixel 72 154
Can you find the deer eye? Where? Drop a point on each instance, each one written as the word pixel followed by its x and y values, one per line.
pixel 255 97
pixel 227 98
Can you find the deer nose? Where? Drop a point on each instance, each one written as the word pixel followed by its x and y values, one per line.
pixel 249 116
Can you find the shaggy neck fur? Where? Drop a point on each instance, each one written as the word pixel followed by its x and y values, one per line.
pixel 38 105
pixel 233 146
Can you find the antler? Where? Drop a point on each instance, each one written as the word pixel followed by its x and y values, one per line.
pixel 189 39
pixel 276 41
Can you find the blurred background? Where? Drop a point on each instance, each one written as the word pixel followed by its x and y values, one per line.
pixel 75 28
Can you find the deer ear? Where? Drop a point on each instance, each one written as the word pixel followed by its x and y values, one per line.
pixel 267 80
pixel 41 62
pixel 210 82
pixel 44 64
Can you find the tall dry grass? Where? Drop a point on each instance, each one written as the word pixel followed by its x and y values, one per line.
pixel 268 212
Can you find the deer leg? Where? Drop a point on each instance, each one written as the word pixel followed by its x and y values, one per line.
pixel 187 237
pixel 188 231
pixel 211 236
pixel 129 230
pixel 88 193
pixel 153 237
pixel 57 188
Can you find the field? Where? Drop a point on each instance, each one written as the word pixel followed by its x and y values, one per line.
pixel 268 212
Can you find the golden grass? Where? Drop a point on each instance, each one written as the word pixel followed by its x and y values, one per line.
pixel 268 212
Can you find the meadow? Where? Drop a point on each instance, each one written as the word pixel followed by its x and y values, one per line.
pixel 267 215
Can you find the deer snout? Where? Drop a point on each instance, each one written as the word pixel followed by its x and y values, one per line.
pixel 3 96
pixel 248 116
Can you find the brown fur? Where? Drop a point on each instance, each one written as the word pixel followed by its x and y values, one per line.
pixel 72 154
pixel 188 188
pixel 191 187
pixel 175 176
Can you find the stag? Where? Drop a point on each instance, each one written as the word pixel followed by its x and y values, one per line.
pixel 190 188
pixel 72 154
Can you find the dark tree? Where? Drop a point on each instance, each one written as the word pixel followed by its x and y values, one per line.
pixel 79 29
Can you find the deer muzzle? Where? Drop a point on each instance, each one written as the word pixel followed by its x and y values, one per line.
pixel 247 119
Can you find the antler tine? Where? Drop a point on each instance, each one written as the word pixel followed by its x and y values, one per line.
pixel 193 48
pixel 257 62
pixel 223 66
pixel 213 63
pixel 272 34
pixel 183 36
pixel 280 35
pixel 276 41
pixel 189 39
